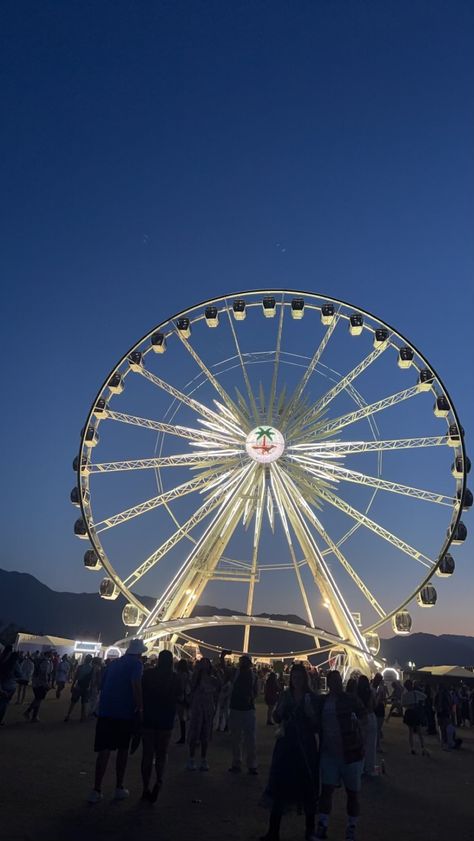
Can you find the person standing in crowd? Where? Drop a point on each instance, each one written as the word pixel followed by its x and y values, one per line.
pixel 380 699
pixel 395 699
pixel 442 705
pixel 223 703
pixel 271 694
pixel 120 710
pixel 80 689
pixel 162 689
pixel 413 702
pixel 293 779
pixel 341 752
pixel 25 673
pixel 204 686
pixel 41 683
pixel 369 729
pixel 242 718
pixel 429 712
pixel 63 670
pixel 9 673
pixel 464 706
pixel 182 671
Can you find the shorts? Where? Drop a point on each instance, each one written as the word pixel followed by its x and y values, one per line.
pixel 335 772
pixel 22 682
pixel 113 733
pixel 81 695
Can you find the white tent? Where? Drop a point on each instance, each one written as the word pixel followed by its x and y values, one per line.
pixel 34 642
pixel 449 671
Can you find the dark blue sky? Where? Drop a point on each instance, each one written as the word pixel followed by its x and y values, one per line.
pixel 157 153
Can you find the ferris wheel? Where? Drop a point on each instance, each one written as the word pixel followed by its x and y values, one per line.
pixel 278 448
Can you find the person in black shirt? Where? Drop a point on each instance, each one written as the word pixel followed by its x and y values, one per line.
pixel 162 691
pixel 242 719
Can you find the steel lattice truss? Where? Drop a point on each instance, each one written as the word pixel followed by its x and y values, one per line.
pixel 267 454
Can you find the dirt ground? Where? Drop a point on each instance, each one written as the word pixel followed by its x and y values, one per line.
pixel 47 771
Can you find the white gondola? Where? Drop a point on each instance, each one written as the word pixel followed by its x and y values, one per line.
pixel 373 643
pixel 381 338
pixel 92 560
pixel 467 499
pixel 80 529
pixel 238 308
pixel 425 379
pixel 116 383
pixel 212 316
pixel 74 496
pixel 269 307
pixel 135 360
pixel 441 407
pixel 401 623
pixel 100 408
pixel 132 616
pixel 158 342
pixel 446 566
pixel 85 465
pixel 297 308
pixel 459 534
pixel 458 466
pixel 327 314
pixel 454 435
pixel 108 590
pixel 405 357
pixel 91 437
pixel 184 327
pixel 356 324
pixel 427 596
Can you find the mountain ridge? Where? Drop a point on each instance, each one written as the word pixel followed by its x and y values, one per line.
pixel 28 604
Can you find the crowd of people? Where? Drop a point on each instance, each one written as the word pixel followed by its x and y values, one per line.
pixel 324 739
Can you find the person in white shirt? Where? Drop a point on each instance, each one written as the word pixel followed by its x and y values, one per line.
pixel 412 702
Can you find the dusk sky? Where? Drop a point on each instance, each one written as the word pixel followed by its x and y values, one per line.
pixel 155 154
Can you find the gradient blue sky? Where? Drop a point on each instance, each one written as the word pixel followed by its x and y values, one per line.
pixel 156 153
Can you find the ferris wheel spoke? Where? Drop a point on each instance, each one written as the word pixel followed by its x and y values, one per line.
pixel 293 489
pixel 204 458
pixel 195 572
pixel 311 367
pixel 330 395
pixel 224 426
pixel 168 428
pixel 330 427
pixel 200 514
pixel 379 530
pixel 251 396
pixel 279 493
pixel 276 364
pixel 341 615
pixel 235 412
pixel 342 448
pixel 259 509
pixel 200 482
pixel 346 475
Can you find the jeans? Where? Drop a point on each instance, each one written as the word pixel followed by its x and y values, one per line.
pixel 243 728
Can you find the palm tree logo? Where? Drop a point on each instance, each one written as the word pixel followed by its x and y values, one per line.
pixel 262 434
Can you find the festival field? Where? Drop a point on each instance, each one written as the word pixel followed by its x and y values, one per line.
pixel 47 771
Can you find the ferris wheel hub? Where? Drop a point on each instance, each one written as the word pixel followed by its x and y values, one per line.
pixel 265 444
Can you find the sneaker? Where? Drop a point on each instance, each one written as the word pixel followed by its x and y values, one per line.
pixel 191 765
pixel 121 793
pixel 235 769
pixel 204 766
pixel 350 833
pixel 321 831
pixel 95 796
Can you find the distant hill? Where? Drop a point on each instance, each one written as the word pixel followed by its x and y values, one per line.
pixel 32 606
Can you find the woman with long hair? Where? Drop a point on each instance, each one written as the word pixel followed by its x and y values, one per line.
pixel 204 686
pixel 271 693
pixel 413 703
pixel 182 670
pixel 293 779
pixel 161 693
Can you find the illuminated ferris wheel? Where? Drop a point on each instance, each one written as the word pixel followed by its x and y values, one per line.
pixel 287 444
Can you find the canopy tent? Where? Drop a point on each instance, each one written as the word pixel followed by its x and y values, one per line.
pixel 457 672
